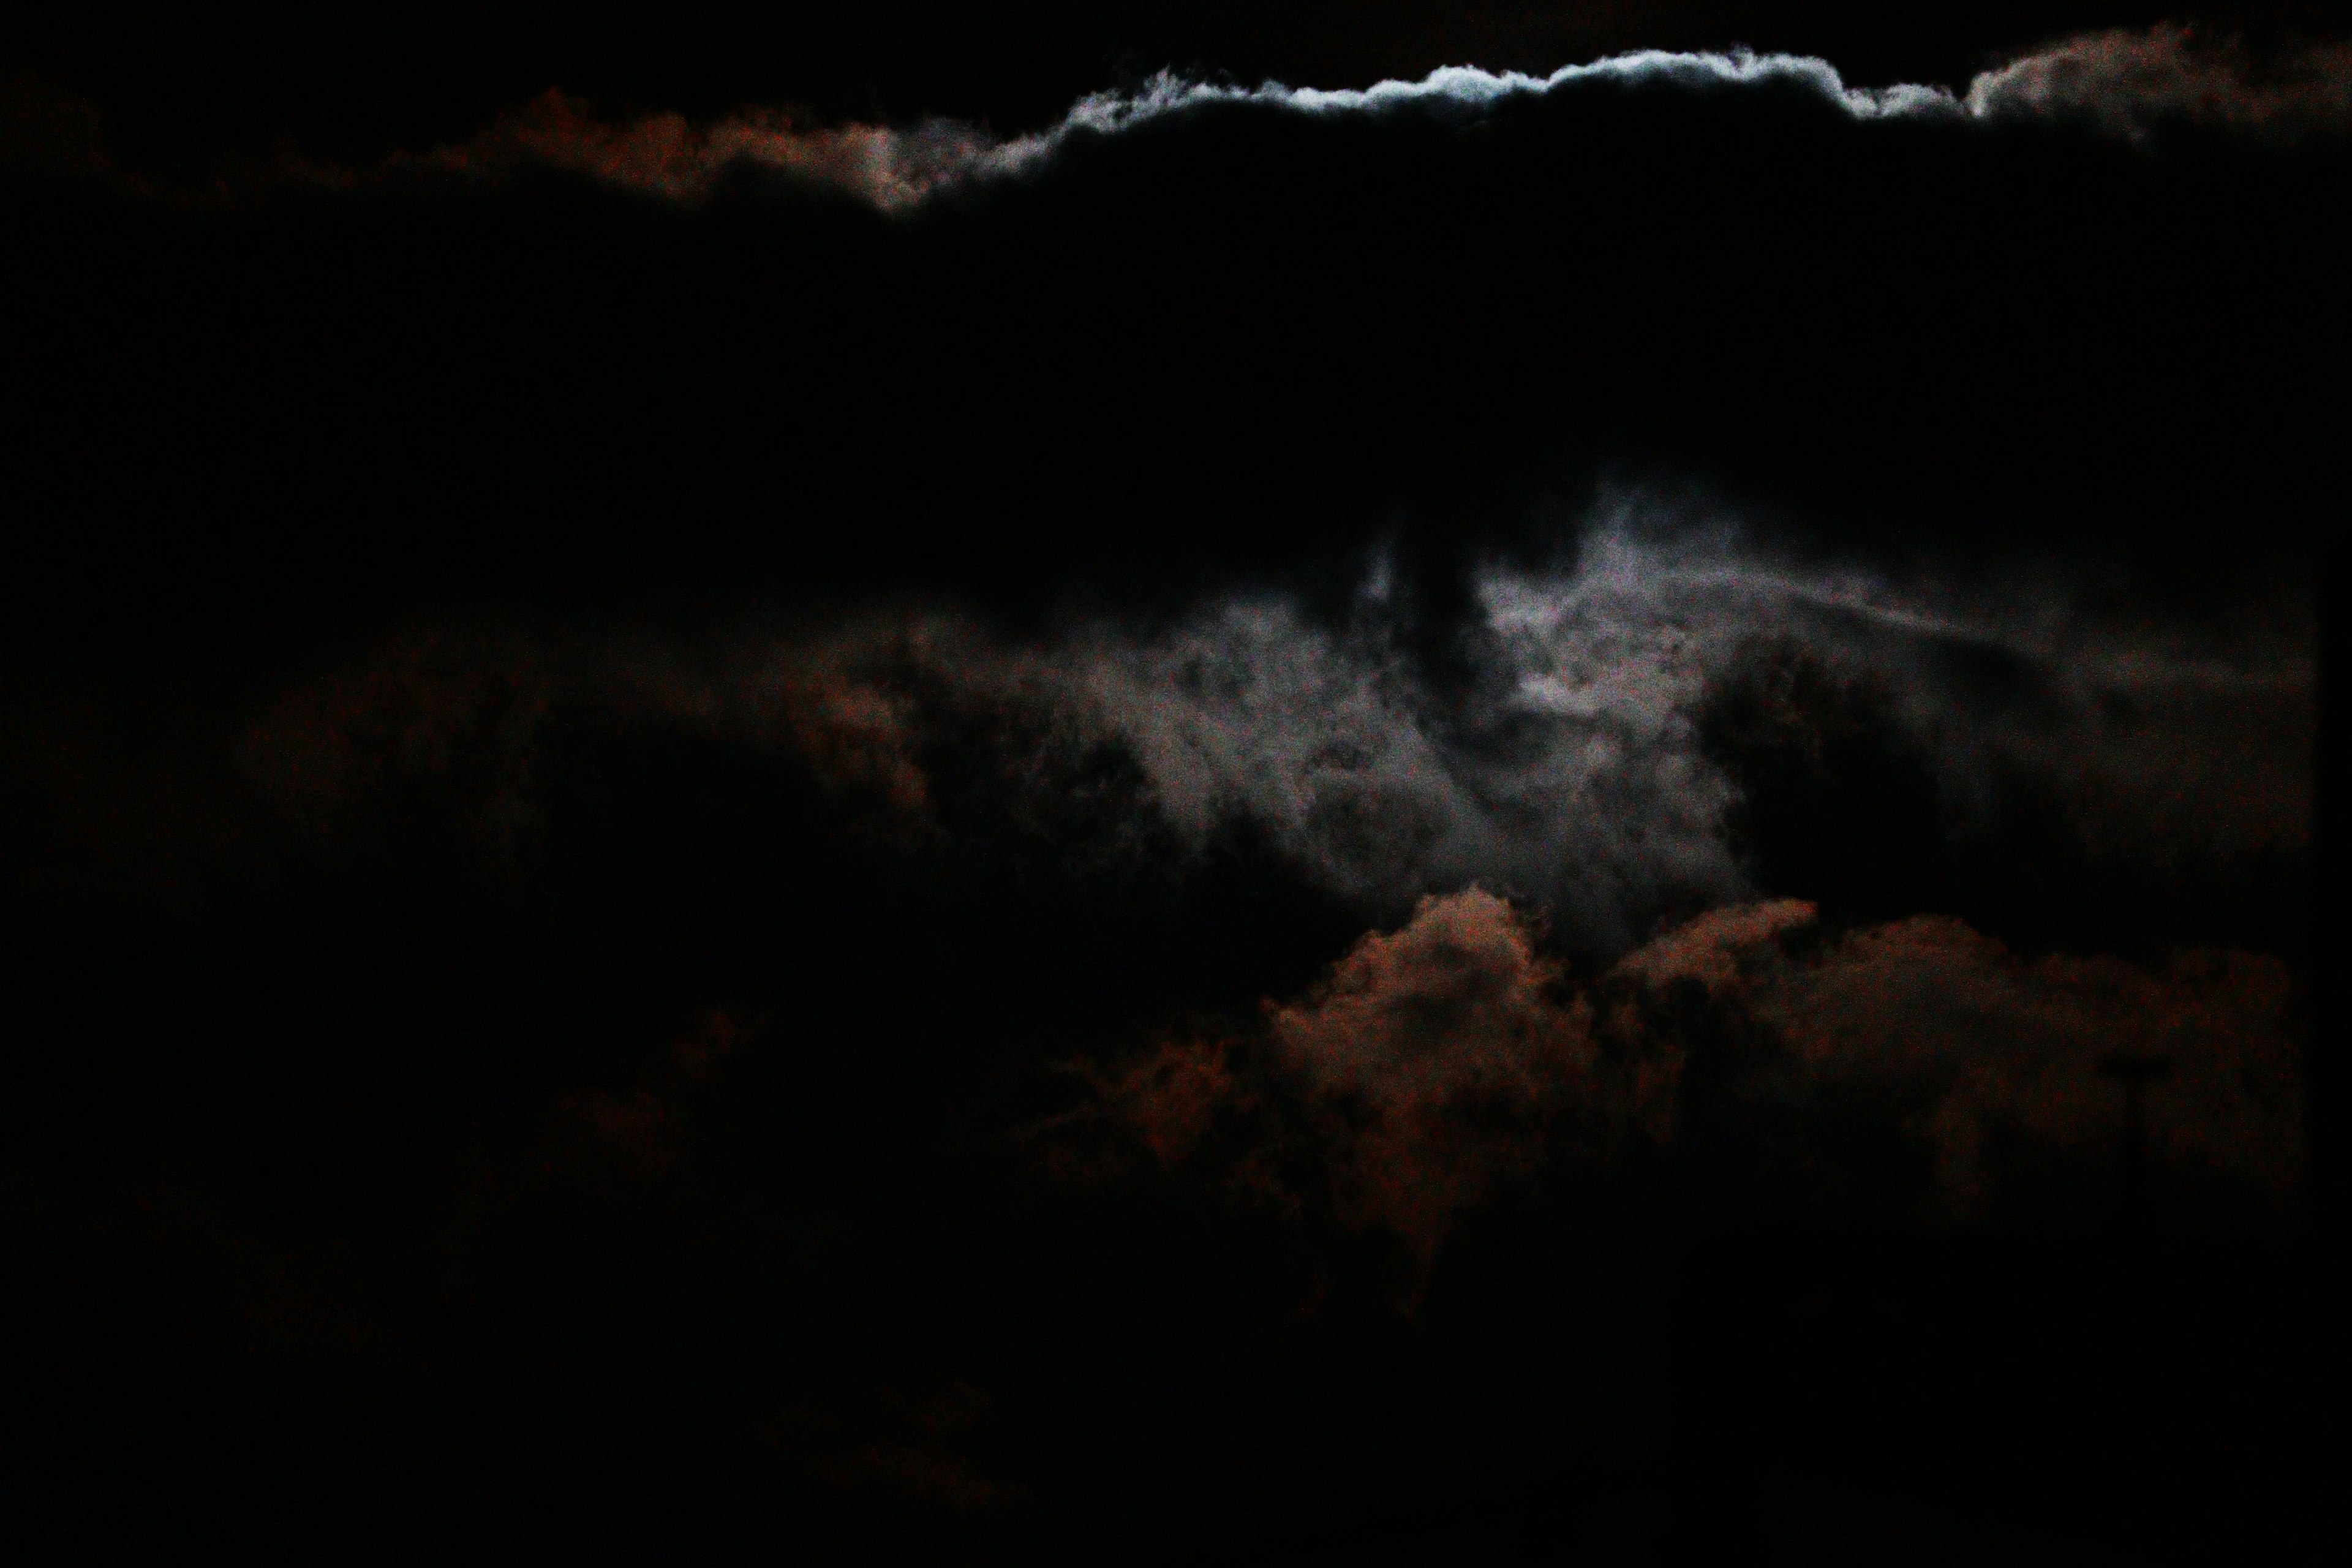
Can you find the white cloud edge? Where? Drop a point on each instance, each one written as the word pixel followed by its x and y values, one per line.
pixel 2115 83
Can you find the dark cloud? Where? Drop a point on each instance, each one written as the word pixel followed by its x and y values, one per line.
pixel 1424 1072
pixel 919 1460
pixel 1964 1043
pixel 1436 1067
pixel 444 722
pixel 1677 720
pixel 46 130
pixel 1670 723
pixel 1962 338
pixel 1593 669
pixel 2132 83
pixel 2126 82
pixel 2021 1047
pixel 643 1132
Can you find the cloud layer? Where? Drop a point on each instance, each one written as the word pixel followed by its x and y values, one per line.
pixel 1916 1071
pixel 2130 83
pixel 1674 720
pixel 1610 689
pixel 1194 341
pixel 1589 760
pixel 1423 1073
pixel 2124 82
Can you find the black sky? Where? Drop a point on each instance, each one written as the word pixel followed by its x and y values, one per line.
pixel 918 816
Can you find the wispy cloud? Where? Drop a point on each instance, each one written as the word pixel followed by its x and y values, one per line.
pixel 2127 82
pixel 1576 766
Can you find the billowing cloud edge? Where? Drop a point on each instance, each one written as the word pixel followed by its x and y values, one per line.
pixel 2121 82
pixel 1434 1067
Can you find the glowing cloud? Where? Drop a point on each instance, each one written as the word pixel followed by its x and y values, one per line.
pixel 2120 81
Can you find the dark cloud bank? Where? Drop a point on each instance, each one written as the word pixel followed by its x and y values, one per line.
pixel 1236 332
pixel 1571 813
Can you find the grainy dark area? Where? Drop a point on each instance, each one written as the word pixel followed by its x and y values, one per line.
pixel 1586 819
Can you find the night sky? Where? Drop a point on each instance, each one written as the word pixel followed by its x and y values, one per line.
pixel 1159 782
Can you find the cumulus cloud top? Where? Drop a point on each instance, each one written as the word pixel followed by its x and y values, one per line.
pixel 1434 1059
pixel 2122 76
pixel 1469 90
pixel 1425 1071
pixel 1436 1065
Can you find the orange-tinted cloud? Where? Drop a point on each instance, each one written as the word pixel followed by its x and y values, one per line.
pixel 1970 1042
pixel 2004 1043
pixel 1427 1070
pixel 670 156
pixel 2124 81
pixel 1435 1061
pixel 856 734
pixel 1433 1066
pixel 1713 948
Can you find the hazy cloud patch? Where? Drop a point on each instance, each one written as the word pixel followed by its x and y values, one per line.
pixel 668 155
pixel 1595 761
pixel 2127 82
pixel 2003 1045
